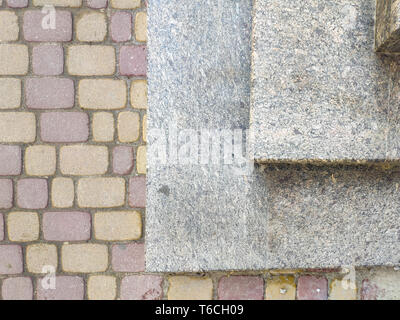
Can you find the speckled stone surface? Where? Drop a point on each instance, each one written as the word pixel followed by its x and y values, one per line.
pixel 319 90
pixel 387 29
pixel 208 217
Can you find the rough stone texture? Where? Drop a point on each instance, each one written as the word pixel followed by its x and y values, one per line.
pixel 387 26
pixel 320 92
pixel 380 284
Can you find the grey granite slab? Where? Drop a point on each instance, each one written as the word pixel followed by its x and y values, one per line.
pixel 387 30
pixel 214 216
pixel 319 90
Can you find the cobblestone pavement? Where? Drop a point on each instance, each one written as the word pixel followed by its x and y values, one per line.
pixel 73 100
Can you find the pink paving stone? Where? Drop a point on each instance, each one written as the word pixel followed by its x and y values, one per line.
pixel 97 4
pixel 241 288
pixel 10 160
pixel 49 93
pixel 48 60
pixel 1 227
pixel 32 193
pixel 33 30
pixel 121 26
pixel 64 127
pixel 67 288
pixel 137 192
pixel 312 288
pixel 369 291
pixel 6 193
pixel 17 289
pixel 144 287
pixel 133 61
pixel 66 226
pixel 122 160
pixel 10 259
pixel 128 257
pixel 17 3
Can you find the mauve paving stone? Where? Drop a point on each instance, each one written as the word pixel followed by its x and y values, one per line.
pixel 10 259
pixel 133 61
pixel 121 26
pixel 32 193
pixel 48 60
pixel 241 288
pixel 137 192
pixel 122 160
pixel 17 3
pixel 128 257
pixel 141 287
pixel 6 193
pixel 66 226
pixel 312 288
pixel 1 227
pixel 10 160
pixel 20 288
pixel 320 92
pixel 67 288
pixel 97 4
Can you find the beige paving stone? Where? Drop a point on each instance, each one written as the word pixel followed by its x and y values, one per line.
pixel 83 160
pixel 91 60
pixel 102 287
pixel 141 162
pixel 85 258
pixel 141 26
pixel 40 256
pixel 104 94
pixel 62 192
pixel 144 126
pixel 118 225
pixel 103 127
pixel 14 59
pixel 10 93
pixel 91 27
pixel 17 127
pixel 58 3
pixel 190 288
pixel 139 94
pixel 342 290
pixel 40 160
pixel 101 192
pixel 125 4
pixel 23 226
pixel 128 126
pixel 9 29
pixel 281 288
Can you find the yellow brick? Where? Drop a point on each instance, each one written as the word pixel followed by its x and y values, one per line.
pixel 10 93
pixel 91 27
pixel 141 26
pixel 62 193
pixel 281 288
pixel 190 288
pixel 23 226
pixel 58 3
pixel 40 160
pixel 14 59
pixel 102 288
pixel 39 256
pixel 86 60
pixel 125 4
pixel 139 94
pixel 9 29
pixel 105 94
pixel 144 128
pixel 84 258
pixel 342 291
pixel 118 225
pixel 101 192
pixel 141 162
pixel 83 160
pixel 128 126
pixel 17 127
pixel 103 127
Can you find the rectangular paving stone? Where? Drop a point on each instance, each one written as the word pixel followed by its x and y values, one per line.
pixel 216 217
pixel 320 92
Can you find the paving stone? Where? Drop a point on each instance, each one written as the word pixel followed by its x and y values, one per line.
pixel 97 4
pixel 144 128
pixel 10 93
pixel 23 226
pixel 133 61
pixel 190 288
pixel 10 160
pixel 122 160
pixel 102 288
pixel 67 288
pixel 9 29
pixel 32 193
pixel 19 288
pixel 11 259
pixel 141 287
pixel 141 160
pixel 66 226
pixel 141 27
pixel 1 227
pixel 118 225
pixel 312 288
pixel 342 289
pixel 137 192
pixel 105 94
pixel 103 127
pixel 91 27
pixel 125 4
pixel 62 192
pixel 128 257
pixel 17 3
pixel 280 288
pixel 41 256
pixel 83 160
pixel 84 258
pixel 40 160
pixel 241 288
pixel 121 26
pixel 64 127
pixel 60 32
pixel 14 59
pixel 380 284
pixel 48 60
pixel 320 93
pixel 139 94
pixel 58 3
pixel 6 193
pixel 128 126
